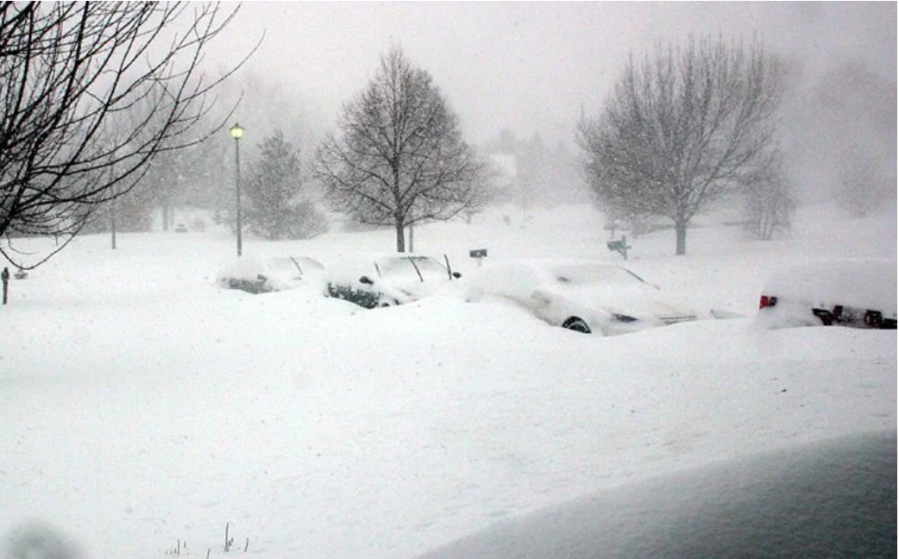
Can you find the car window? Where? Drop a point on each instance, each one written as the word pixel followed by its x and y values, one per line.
pixel 394 267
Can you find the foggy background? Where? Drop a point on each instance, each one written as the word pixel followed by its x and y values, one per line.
pixel 525 72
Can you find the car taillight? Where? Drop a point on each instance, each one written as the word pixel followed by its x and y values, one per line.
pixel 767 301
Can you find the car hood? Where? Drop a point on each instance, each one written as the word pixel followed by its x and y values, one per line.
pixel 407 291
pixel 644 303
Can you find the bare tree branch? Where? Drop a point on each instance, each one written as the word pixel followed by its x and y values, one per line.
pixel 400 158
pixel 683 129
pixel 71 74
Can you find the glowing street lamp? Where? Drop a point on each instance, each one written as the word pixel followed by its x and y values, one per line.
pixel 237 134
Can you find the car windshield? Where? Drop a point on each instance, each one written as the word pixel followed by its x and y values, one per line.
pixel 294 265
pixel 284 265
pixel 421 268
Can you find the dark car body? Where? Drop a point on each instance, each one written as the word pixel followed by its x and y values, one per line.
pixel 387 280
pixel 264 275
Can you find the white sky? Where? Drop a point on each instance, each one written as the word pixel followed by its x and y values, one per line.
pixel 529 66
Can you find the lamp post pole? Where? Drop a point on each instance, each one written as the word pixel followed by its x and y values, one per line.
pixel 113 216
pixel 237 134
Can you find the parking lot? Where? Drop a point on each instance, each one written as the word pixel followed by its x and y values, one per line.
pixel 143 407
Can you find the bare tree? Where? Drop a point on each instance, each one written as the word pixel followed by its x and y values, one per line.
pixel 400 158
pixel 682 129
pixel 770 199
pixel 70 73
pixel 176 171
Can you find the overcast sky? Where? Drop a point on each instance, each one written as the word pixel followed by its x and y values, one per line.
pixel 530 66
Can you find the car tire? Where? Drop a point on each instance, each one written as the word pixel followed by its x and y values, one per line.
pixel 576 324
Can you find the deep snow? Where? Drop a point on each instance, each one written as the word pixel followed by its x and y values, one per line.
pixel 140 404
pixel 830 499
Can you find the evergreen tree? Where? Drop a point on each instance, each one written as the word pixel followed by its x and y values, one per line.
pixel 273 188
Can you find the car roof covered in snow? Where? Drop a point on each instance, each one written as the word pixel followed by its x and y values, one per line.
pixel 868 283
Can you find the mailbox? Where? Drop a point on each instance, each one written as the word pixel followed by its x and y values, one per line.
pixel 619 246
pixel 479 253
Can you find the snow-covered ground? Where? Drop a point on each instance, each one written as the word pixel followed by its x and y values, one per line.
pixel 141 405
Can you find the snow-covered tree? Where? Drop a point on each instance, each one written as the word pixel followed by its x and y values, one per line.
pixel 682 130
pixel 276 207
pixel 770 200
pixel 173 178
pixel 400 158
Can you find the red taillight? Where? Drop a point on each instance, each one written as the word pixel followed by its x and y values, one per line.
pixel 767 301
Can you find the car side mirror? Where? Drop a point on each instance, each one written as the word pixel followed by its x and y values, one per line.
pixel 457 275
pixel 366 280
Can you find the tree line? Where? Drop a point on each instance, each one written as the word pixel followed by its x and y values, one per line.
pixel 96 131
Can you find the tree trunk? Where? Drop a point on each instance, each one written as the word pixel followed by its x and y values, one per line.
pixel 112 223
pixel 680 228
pixel 411 237
pixel 400 236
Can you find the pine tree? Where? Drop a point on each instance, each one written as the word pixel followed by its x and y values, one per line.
pixel 277 210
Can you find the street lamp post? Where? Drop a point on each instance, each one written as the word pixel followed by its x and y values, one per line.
pixel 237 134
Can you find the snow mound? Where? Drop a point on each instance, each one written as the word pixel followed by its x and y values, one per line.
pixel 243 268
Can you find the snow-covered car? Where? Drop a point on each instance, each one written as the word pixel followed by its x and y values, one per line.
pixel 581 295
pixel 373 281
pixel 858 293
pixel 263 275
pixel 835 498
